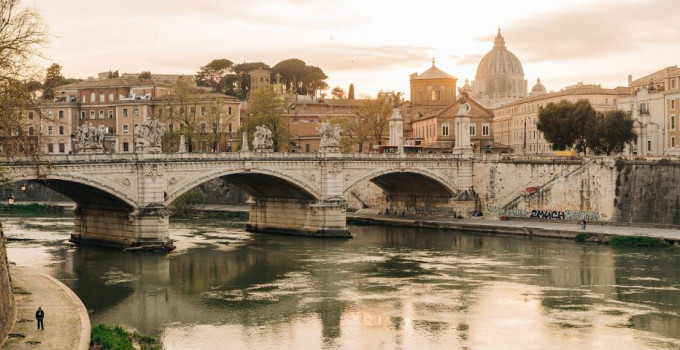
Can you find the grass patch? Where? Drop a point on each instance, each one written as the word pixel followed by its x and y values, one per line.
pixel 33 208
pixel 638 241
pixel 105 337
pixel 583 236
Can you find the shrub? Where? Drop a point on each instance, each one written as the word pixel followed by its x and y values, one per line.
pixel 188 203
pixel 110 338
pixel 638 241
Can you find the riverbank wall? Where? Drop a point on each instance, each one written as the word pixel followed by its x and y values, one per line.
pixel 7 308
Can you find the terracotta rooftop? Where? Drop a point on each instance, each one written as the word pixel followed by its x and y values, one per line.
pixel 434 73
pixel 476 109
pixel 117 82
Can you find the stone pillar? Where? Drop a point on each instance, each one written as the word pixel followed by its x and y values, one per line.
pixel 144 225
pixel 396 128
pixel 322 219
pixel 244 143
pixel 182 144
pixel 462 126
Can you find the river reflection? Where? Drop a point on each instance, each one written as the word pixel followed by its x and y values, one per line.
pixel 386 288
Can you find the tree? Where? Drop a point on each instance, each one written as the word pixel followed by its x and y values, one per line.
pixel 314 80
pixel 214 74
pixel 33 86
pixel 350 94
pixel 53 78
pixel 354 131
pixel 22 35
pixel 114 74
pixel 375 114
pixel 242 76
pixel 292 73
pixel 610 132
pixel 181 110
pixel 145 75
pixel 266 108
pixel 338 93
pixel 565 124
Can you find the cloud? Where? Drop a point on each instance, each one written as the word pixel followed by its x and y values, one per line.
pixel 470 59
pixel 593 31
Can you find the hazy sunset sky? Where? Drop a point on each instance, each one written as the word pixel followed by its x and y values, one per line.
pixel 374 44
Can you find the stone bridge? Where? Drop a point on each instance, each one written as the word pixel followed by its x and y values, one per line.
pixel 123 199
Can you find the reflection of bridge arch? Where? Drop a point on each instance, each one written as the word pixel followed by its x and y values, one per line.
pixel 83 190
pixel 419 180
pixel 259 183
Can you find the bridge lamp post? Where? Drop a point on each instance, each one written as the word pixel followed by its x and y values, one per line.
pixel 10 201
pixel 292 108
pixel 23 187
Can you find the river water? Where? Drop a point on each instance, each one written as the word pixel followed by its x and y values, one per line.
pixel 388 288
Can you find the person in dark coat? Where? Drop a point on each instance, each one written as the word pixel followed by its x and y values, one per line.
pixel 39 315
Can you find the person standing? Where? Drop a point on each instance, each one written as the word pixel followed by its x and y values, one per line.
pixel 39 315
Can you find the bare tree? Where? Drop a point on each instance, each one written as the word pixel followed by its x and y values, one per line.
pixel 375 114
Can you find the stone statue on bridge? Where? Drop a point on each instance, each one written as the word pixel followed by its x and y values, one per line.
pixel 330 137
pixel 262 139
pixel 149 135
pixel 89 139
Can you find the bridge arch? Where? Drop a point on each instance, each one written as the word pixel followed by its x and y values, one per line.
pixel 259 183
pixel 85 191
pixel 393 180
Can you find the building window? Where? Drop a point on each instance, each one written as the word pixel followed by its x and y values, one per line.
pixel 125 128
pixel 125 113
pixel 202 110
pixel 485 130
pixel 229 110
pixel 82 114
pixel 49 130
pixel 136 112
pixel 30 115
pixel 230 127
pixel 307 148
pixel 30 131
pixel 92 97
pixel 62 147
pixel 61 114
pixel 101 114
pixel 672 122
pixel 170 127
pixel 111 97
pixel 50 148
pixel 445 130
pixel 473 130
pixel 110 113
pixel 672 104
pixel 91 114
pixel 61 130
pixel 126 146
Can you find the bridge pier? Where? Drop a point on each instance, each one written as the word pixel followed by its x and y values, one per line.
pixel 145 228
pixel 306 218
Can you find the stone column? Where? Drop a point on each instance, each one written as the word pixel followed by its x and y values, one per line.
pixel 396 128
pixel 244 143
pixel 462 125
pixel 182 144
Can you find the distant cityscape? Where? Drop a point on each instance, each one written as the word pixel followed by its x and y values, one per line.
pixel 504 111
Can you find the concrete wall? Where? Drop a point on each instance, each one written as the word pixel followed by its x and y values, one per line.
pixel 6 296
pixel 599 189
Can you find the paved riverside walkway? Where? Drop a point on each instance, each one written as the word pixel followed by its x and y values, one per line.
pixel 515 226
pixel 67 324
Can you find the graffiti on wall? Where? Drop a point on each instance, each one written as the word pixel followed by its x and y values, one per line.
pixel 512 213
pixel 566 215
pixel 492 182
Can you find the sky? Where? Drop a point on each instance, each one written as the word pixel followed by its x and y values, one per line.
pixel 374 44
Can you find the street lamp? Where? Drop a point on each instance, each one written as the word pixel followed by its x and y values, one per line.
pixel 11 200
pixel 292 108
pixel 23 187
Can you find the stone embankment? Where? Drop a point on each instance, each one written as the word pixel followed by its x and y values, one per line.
pixel 6 296
pixel 595 233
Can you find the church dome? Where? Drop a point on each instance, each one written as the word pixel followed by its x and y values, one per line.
pixel 538 88
pixel 499 61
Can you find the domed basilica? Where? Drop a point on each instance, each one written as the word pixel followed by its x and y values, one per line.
pixel 500 77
